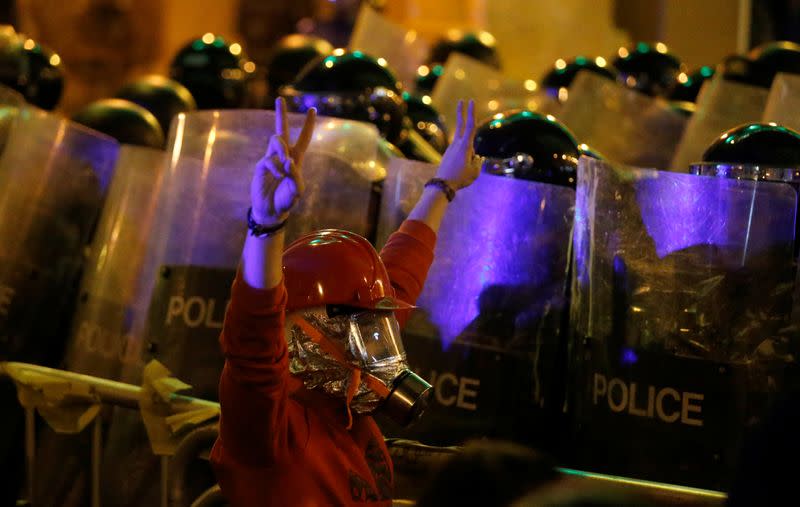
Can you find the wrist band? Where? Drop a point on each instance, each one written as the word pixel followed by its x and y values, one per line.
pixel 442 185
pixel 259 231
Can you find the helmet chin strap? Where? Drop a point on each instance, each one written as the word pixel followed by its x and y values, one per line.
pixel 356 373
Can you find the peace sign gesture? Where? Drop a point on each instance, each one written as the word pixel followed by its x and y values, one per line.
pixel 278 181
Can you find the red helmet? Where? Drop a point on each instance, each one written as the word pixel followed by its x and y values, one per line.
pixel 336 267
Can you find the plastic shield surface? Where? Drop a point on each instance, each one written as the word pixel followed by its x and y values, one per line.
pixel 197 242
pixel 206 192
pixel 111 298
pixel 721 105
pixel 465 78
pixel 203 204
pixel 783 103
pixel 53 179
pixel 488 328
pixel 404 50
pixel 681 296
pixel 624 125
pixel 530 41
pixel 110 302
pixel 401 191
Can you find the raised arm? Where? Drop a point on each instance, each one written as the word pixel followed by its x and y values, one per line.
pixel 408 253
pixel 276 187
pixel 257 426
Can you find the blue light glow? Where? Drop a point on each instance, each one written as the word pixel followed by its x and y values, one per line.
pixel 628 356
pixel 502 250
pixel 682 210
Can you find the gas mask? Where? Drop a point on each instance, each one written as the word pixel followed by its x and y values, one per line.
pixel 357 355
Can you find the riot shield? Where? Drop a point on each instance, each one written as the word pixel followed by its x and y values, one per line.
pixel 53 180
pixel 196 245
pixel 783 103
pixel 401 191
pixel 344 173
pixel 721 105
pixel 681 298
pixel 110 302
pixel 465 78
pixel 200 232
pixel 626 126
pixel 110 298
pixel 488 329
pixel 532 36
pixel 403 50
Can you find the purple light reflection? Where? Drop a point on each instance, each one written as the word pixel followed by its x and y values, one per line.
pixel 682 210
pixel 501 255
pixel 628 356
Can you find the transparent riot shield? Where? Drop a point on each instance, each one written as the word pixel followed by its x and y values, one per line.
pixel 53 180
pixel 110 297
pixel 465 78
pixel 110 301
pixel 783 103
pixel 488 329
pixel 626 126
pixel 196 245
pixel 343 172
pixel 721 105
pixel 402 49
pixel 201 229
pixel 557 29
pixel 401 191
pixel 681 298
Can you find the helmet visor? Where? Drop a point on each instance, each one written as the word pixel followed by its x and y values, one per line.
pixel 380 106
pixel 375 338
pixel 507 166
pixel 339 105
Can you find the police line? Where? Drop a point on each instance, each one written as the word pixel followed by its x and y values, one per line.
pixel 491 326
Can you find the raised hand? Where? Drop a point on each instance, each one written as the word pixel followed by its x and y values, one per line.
pixel 458 166
pixel 278 181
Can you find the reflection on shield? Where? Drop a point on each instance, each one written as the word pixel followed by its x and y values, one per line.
pixel 488 328
pixel 465 78
pixel 681 298
pixel 783 103
pixel 626 126
pixel 196 244
pixel 721 105
pixel 403 50
pixel 53 179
